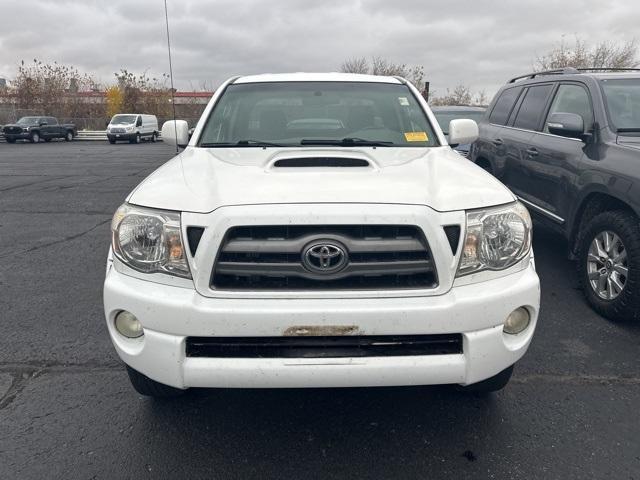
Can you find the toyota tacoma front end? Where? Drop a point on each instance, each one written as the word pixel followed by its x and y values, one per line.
pixel 318 231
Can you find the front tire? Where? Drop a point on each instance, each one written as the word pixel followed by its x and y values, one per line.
pixel 150 388
pixel 10 140
pixel 112 141
pixel 491 384
pixel 35 137
pixel 154 137
pixel 69 136
pixel 609 265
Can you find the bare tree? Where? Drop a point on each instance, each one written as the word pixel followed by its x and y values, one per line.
pixel 461 95
pixel 580 55
pixel 382 66
pixel 355 65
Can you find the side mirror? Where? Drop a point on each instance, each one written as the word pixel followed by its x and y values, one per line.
pixel 42 124
pixel 568 125
pixel 176 132
pixel 462 131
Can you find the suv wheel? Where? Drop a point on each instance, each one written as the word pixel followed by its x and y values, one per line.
pixel 609 264
pixel 35 137
pixel 150 388
pixel 154 137
pixel 492 384
pixel 69 136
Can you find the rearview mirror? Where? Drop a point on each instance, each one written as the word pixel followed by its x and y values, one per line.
pixel 568 125
pixel 462 131
pixel 176 132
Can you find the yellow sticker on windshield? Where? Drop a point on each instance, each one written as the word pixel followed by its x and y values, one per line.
pixel 416 136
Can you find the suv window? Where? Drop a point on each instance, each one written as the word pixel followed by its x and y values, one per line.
pixel 504 105
pixel 532 107
pixel 51 121
pixel 572 98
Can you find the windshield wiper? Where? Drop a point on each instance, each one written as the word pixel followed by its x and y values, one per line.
pixel 345 142
pixel 242 143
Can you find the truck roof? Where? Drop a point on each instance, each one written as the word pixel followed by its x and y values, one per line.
pixel 316 77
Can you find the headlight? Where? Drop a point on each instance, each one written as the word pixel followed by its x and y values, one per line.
pixel 129 129
pixel 149 240
pixel 495 239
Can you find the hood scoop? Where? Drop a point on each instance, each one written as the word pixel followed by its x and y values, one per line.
pixel 320 162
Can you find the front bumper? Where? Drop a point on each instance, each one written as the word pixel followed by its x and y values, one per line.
pixel 169 314
pixel 121 136
pixel 18 136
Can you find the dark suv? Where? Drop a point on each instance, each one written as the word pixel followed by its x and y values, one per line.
pixel 567 143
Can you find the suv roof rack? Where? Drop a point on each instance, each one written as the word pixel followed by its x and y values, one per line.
pixel 605 69
pixel 557 71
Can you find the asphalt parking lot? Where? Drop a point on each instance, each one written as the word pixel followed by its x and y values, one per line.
pixel 67 410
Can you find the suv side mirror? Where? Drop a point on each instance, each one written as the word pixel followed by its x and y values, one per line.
pixel 42 124
pixel 176 132
pixel 568 125
pixel 462 131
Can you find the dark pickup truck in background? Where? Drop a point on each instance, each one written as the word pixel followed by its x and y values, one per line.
pixel 36 128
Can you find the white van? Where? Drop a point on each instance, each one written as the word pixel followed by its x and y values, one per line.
pixel 133 127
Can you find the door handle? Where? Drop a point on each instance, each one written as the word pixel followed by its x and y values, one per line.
pixel 497 142
pixel 532 152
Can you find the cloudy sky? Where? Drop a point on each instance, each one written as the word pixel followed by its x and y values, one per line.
pixel 477 43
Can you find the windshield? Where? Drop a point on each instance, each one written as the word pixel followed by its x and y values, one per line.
pixel 28 121
pixel 317 113
pixel 623 103
pixel 123 119
pixel 445 116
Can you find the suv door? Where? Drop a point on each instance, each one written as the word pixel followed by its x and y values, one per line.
pixel 490 145
pixel 526 118
pixel 553 161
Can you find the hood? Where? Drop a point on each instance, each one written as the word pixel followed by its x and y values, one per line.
pixel 201 180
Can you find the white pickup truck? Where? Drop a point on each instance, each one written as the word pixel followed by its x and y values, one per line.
pixel 318 231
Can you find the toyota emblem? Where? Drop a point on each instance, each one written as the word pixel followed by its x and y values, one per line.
pixel 324 257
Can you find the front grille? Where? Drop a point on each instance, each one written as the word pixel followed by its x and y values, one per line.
pixel 323 347
pixel 12 130
pixel 118 130
pixel 285 257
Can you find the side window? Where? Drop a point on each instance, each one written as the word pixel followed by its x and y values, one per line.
pixel 52 121
pixel 139 122
pixel 532 107
pixel 503 106
pixel 572 98
pixel 42 120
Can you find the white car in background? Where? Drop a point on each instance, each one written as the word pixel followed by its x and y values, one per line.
pixel 132 127
pixel 318 231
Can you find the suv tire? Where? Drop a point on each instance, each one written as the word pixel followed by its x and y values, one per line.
pixel 150 388
pixel 35 137
pixel 491 384
pixel 69 136
pixel 625 304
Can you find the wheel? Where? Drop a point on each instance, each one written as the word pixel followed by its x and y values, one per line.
pixel 491 384
pixel 35 137
pixel 150 388
pixel 609 264
pixel 154 137
pixel 112 141
pixel 10 140
pixel 69 136
pixel 137 140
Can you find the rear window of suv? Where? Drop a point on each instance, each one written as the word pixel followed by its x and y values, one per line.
pixel 504 105
pixel 532 106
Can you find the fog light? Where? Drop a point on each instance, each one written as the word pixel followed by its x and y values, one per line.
pixel 517 321
pixel 128 325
